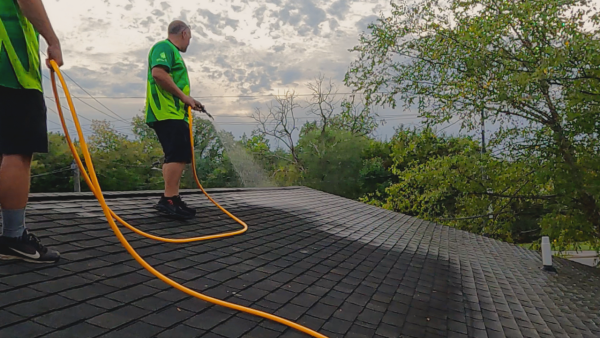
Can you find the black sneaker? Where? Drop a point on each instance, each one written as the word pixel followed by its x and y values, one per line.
pixel 27 248
pixel 183 205
pixel 174 206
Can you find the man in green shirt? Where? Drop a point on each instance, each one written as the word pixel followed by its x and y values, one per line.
pixel 167 99
pixel 23 128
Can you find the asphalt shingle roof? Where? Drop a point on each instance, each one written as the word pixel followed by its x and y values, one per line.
pixel 340 267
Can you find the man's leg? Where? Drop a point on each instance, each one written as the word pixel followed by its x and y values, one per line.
pixel 23 132
pixel 14 192
pixel 172 135
pixel 172 175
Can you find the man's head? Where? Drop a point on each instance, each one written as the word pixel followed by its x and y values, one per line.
pixel 180 34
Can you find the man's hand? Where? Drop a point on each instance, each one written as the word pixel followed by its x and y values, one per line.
pixel 196 105
pixel 35 12
pixel 199 106
pixel 189 102
pixel 54 53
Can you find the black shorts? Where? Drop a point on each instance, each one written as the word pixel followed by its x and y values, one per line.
pixel 23 126
pixel 174 137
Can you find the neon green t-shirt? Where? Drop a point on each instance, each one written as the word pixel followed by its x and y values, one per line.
pixel 160 104
pixel 19 49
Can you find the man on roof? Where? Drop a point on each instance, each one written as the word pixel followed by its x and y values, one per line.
pixel 23 129
pixel 167 99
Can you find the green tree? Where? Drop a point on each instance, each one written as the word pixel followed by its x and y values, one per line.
pixel 260 148
pixel 50 172
pixel 528 66
pixel 142 130
pixel 347 113
pixel 355 117
pixel 333 160
pixel 281 119
pixel 376 174
pixel 147 137
pixel 212 163
pixel 123 164
pixel 439 179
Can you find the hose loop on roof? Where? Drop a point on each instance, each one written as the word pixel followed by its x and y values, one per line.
pixel 92 181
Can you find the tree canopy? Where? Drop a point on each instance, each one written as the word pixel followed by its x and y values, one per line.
pixel 528 67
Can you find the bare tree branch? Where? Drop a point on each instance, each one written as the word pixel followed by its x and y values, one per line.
pixel 280 121
pixel 323 103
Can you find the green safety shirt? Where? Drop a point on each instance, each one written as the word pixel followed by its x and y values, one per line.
pixel 20 66
pixel 160 104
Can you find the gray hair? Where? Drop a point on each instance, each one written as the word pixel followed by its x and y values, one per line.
pixel 177 27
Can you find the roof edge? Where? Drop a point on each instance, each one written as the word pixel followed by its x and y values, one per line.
pixel 63 196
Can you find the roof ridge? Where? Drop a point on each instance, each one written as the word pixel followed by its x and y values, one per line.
pixel 63 196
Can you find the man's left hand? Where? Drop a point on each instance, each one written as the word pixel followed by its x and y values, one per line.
pixel 54 53
pixel 199 106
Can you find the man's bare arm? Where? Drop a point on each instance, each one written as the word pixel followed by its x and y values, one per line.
pixel 35 12
pixel 165 81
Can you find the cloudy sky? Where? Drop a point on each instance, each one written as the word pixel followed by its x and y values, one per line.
pixel 241 52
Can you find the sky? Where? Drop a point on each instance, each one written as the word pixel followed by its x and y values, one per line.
pixel 241 54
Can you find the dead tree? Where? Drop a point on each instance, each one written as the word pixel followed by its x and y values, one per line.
pixel 280 122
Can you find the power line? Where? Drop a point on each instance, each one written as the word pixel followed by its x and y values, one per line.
pixel 121 119
pixel 52 172
pixel 392 118
pixel 220 96
pixel 86 127
pixel 90 95
pixel 54 122
pixel 121 128
pixel 69 109
pixel 60 125
pixel 316 116
pixel 87 104
pixel 129 128
pixel 446 127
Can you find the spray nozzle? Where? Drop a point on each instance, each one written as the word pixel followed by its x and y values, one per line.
pixel 205 112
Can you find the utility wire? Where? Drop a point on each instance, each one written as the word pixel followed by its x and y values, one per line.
pixel 68 109
pixel 222 96
pixel 82 116
pixel 60 125
pixel 121 128
pixel 120 119
pixel 316 116
pixel 90 95
pixel 390 118
pixel 448 126
pixel 85 127
pixel 53 172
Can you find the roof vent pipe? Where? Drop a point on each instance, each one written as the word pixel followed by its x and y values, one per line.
pixel 547 254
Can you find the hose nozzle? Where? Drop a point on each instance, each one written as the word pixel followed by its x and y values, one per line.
pixel 205 112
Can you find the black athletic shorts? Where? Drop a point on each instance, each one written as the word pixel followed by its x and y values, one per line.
pixel 174 137
pixel 23 129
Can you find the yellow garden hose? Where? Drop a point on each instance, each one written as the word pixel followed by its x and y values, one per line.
pixel 92 182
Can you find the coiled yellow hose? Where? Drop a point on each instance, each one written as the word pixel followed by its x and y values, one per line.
pixel 92 182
